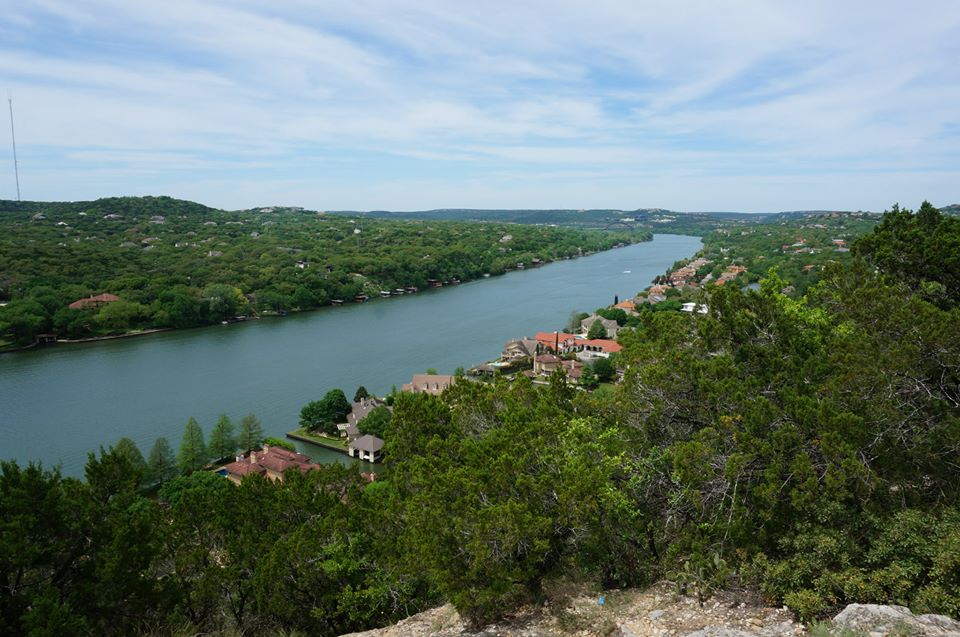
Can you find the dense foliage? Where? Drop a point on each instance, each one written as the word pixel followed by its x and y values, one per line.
pixel 179 264
pixel 799 247
pixel 805 445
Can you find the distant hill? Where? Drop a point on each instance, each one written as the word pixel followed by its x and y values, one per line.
pixel 952 209
pixel 655 219
pixel 124 206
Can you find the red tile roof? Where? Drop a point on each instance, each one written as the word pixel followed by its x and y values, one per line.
pixel 605 345
pixel 550 339
pixel 93 301
pixel 274 459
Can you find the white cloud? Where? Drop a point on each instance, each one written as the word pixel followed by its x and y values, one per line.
pixel 489 95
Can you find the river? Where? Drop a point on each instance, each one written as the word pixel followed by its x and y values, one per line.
pixel 57 403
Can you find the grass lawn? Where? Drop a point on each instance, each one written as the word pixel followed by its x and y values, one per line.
pixel 323 441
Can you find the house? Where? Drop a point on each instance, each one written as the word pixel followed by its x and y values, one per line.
pixel 362 409
pixel 545 364
pixel 556 342
pixel 429 383
pixel 611 327
pixel 597 348
pixel 270 462
pixel 693 307
pixel 93 301
pixel 368 447
pixel 627 306
pixel 519 349
pixel 573 369
pixel 348 431
pixel 652 299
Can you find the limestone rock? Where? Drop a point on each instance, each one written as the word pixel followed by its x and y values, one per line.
pixel 720 631
pixel 875 618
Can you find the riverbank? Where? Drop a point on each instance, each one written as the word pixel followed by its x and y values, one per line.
pixel 273 367
pixel 371 289
pixel 302 435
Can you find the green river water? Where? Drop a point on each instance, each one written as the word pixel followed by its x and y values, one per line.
pixel 59 402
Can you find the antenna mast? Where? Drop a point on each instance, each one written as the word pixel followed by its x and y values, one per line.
pixel 13 140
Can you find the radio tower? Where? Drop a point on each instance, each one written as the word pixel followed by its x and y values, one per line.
pixel 13 140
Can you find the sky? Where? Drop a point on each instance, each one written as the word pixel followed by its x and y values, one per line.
pixel 421 104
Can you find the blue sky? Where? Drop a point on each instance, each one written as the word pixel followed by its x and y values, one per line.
pixel 368 104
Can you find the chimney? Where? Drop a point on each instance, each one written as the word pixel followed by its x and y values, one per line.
pixel 253 457
pixel 266 448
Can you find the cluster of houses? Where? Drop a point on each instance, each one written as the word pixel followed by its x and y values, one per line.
pixel 363 447
pixel 550 351
pixel 546 351
pixel 730 274
pixel 686 276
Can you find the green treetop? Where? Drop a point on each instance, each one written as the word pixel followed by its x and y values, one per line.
pixel 193 451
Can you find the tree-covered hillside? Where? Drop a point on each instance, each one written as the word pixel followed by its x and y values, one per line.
pixel 180 264
pixel 802 447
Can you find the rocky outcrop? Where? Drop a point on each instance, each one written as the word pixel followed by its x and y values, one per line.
pixel 655 612
pixel 661 612
pixel 879 621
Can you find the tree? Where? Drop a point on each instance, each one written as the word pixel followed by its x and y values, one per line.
pixel 279 442
pixel 613 314
pixel 224 301
pixel 222 441
pixel 360 394
pixel 251 432
pixel 588 378
pixel 604 369
pixel 376 422
pixel 573 323
pixel 922 250
pixel 193 451
pixel 161 465
pixel 597 330
pixel 128 448
pixel 324 414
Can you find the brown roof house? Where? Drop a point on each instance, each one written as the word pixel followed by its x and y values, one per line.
pixel 360 410
pixel 612 327
pixel 367 447
pixel 429 383
pixel 270 462
pixel 94 301
pixel 573 369
pixel 519 349
pixel 545 364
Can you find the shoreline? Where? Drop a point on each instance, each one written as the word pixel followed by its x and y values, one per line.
pixel 318 441
pixel 94 339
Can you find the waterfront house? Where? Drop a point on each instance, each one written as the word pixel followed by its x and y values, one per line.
pixel 362 408
pixel 270 462
pixel 556 342
pixel 519 349
pixel 611 327
pixel 429 384
pixel 627 306
pixel 591 349
pixel 93 302
pixel 368 447
pixel 348 431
